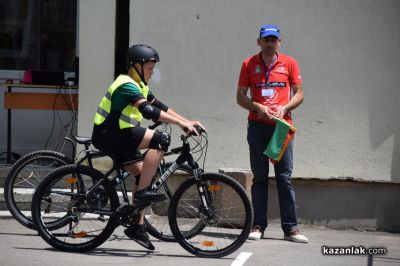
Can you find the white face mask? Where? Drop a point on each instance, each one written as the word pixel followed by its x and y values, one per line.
pixel 156 77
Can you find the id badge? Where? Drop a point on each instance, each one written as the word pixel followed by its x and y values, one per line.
pixel 267 92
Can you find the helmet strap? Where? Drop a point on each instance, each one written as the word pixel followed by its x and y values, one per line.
pixel 140 73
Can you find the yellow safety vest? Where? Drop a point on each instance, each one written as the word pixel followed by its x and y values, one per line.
pixel 130 116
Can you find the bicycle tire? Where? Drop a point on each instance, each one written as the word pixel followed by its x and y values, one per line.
pixel 24 177
pixel 63 192
pixel 229 224
pixel 156 215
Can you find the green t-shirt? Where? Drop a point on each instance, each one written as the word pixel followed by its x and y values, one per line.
pixel 125 94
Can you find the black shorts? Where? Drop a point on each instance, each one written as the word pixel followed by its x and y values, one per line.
pixel 121 144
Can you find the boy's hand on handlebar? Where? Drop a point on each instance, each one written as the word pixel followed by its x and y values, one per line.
pixel 199 127
pixel 188 127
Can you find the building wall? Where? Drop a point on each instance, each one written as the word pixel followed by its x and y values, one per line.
pixel 340 203
pixel 347 50
pixel 96 57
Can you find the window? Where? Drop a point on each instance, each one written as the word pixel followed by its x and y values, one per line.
pixel 38 34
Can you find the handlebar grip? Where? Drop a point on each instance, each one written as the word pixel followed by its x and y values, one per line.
pixel 193 134
pixel 199 129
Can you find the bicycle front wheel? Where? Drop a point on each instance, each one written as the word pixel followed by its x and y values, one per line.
pixel 23 179
pixel 156 215
pixel 80 221
pixel 227 217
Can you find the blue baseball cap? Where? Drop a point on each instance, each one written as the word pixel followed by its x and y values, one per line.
pixel 269 30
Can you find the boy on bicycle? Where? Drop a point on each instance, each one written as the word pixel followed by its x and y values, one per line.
pixel 117 130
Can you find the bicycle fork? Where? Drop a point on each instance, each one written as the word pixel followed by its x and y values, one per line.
pixel 202 188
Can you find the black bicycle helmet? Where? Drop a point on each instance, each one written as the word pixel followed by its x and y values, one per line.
pixel 142 53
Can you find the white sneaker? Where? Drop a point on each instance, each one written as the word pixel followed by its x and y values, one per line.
pixel 295 236
pixel 256 233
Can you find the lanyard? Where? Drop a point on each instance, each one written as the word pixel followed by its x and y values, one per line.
pixel 268 71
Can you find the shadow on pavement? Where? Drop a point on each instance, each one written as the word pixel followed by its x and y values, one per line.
pixel 118 253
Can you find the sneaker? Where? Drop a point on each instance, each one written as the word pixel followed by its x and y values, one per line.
pixel 138 233
pixel 148 196
pixel 295 236
pixel 256 233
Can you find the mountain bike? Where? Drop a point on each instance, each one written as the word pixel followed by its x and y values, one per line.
pixel 27 173
pixel 209 214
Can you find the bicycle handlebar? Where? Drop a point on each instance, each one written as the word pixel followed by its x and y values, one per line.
pixel 87 140
pixel 199 129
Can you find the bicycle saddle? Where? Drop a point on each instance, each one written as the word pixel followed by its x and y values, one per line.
pixel 83 140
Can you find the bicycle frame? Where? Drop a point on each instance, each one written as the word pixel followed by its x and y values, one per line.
pixel 89 154
pixel 185 156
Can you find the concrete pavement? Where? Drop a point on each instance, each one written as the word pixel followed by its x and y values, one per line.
pixel 21 246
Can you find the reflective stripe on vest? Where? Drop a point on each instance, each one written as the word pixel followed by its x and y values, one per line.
pixel 128 120
pixel 130 116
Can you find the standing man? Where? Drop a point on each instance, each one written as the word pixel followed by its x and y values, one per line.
pixel 275 87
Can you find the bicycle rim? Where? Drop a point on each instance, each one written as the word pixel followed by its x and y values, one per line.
pixel 23 179
pixel 225 227
pixel 61 201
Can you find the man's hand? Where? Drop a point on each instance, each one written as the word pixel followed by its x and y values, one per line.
pixel 281 111
pixel 264 112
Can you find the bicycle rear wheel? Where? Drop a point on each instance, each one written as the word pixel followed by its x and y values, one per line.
pixel 156 215
pixel 227 223
pixel 23 179
pixel 80 222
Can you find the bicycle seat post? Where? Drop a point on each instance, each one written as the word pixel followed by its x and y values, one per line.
pixel 88 155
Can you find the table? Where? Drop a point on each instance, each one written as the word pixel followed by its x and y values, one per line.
pixel 36 101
